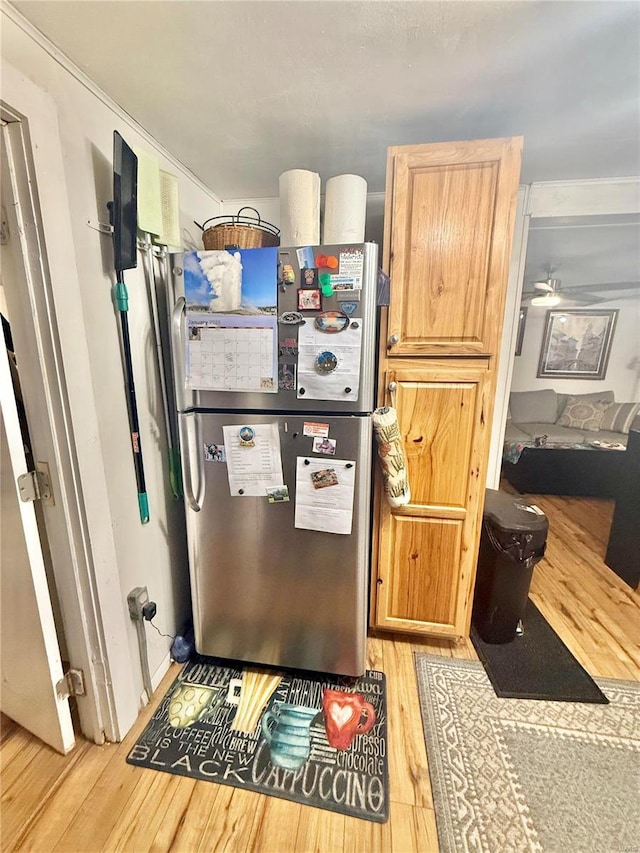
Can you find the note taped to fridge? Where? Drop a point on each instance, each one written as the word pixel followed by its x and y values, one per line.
pixel 329 374
pixel 324 501
pixel 253 464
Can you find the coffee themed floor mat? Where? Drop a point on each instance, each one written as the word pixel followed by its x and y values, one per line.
pixel 317 741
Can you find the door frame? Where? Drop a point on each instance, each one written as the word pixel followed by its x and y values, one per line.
pixel 87 582
pixel 542 200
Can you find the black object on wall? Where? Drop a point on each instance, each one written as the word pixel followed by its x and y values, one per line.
pixel 124 213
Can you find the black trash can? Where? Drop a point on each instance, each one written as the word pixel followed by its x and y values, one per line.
pixel 513 540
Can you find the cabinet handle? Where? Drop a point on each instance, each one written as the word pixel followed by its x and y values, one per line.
pixel 393 340
pixel 392 387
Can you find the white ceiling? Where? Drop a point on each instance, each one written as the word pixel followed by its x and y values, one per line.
pixel 241 91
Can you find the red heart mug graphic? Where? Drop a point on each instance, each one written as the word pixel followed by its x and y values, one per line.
pixel 345 716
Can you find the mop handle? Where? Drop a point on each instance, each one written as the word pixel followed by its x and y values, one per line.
pixel 122 301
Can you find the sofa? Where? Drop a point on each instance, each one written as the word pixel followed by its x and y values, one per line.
pixel 564 444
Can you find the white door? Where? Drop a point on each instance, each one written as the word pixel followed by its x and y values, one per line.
pixel 30 663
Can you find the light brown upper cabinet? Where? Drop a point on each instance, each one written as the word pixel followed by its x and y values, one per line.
pixel 447 244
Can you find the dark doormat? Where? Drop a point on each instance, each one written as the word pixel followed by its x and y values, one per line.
pixel 536 665
pixel 320 741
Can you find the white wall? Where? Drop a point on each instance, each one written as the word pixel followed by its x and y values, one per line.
pixel 623 370
pixel 153 555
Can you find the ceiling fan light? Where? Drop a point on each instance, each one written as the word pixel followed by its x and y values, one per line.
pixel 549 300
pixel 551 285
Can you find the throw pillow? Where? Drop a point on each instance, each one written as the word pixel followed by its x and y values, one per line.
pixel 602 396
pixel 620 416
pixel 533 406
pixel 583 414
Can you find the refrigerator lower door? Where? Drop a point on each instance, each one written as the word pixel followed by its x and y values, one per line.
pixel 264 591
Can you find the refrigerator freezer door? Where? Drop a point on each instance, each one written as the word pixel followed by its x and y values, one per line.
pixel 263 590
pixel 362 304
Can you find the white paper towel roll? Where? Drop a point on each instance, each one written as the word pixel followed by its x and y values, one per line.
pixel 345 209
pixel 299 208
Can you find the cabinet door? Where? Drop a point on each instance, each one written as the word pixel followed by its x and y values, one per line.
pixel 427 549
pixel 450 216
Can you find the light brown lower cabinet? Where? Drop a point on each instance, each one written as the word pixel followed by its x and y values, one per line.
pixel 426 550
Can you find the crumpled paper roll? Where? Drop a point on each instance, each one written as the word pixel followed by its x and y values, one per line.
pixel 391 456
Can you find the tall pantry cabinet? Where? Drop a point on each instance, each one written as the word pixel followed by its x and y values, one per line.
pixel 449 219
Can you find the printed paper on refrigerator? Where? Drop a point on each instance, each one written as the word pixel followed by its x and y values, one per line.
pixel 254 463
pixel 324 494
pixel 329 364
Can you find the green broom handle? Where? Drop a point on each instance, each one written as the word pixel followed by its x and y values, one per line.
pixel 122 301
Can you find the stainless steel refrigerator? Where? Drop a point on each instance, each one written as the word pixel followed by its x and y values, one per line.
pixel 279 556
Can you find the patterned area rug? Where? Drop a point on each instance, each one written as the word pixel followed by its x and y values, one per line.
pixel 512 775
pixel 315 741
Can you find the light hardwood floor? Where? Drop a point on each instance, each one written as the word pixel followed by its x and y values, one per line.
pixel 92 800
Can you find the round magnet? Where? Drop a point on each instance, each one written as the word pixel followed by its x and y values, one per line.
pixel 326 362
pixel 247 434
pixel 332 262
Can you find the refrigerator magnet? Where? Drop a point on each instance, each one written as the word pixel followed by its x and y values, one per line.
pixel 305 257
pixel 310 428
pixel 349 308
pixel 289 346
pixel 352 265
pixel 324 445
pixel 247 436
pixel 326 362
pixel 309 300
pixel 277 494
pixel 309 277
pixel 291 318
pixel 215 453
pixel 288 275
pixel 286 377
pixel 331 322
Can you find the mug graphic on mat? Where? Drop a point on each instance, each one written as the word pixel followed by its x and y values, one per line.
pixel 289 737
pixel 345 716
pixel 189 703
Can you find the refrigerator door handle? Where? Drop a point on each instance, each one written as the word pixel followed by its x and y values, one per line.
pixel 177 346
pixel 192 446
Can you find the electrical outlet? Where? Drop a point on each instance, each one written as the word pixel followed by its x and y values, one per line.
pixel 136 600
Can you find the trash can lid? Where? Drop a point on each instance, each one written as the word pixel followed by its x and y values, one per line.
pixel 513 513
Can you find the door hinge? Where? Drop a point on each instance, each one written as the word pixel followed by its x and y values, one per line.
pixel 34 486
pixel 72 684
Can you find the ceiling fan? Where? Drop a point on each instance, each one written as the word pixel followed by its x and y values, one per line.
pixel 549 292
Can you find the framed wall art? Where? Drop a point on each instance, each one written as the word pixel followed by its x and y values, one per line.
pixel 577 343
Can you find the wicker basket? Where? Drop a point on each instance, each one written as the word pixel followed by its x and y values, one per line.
pixel 241 232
